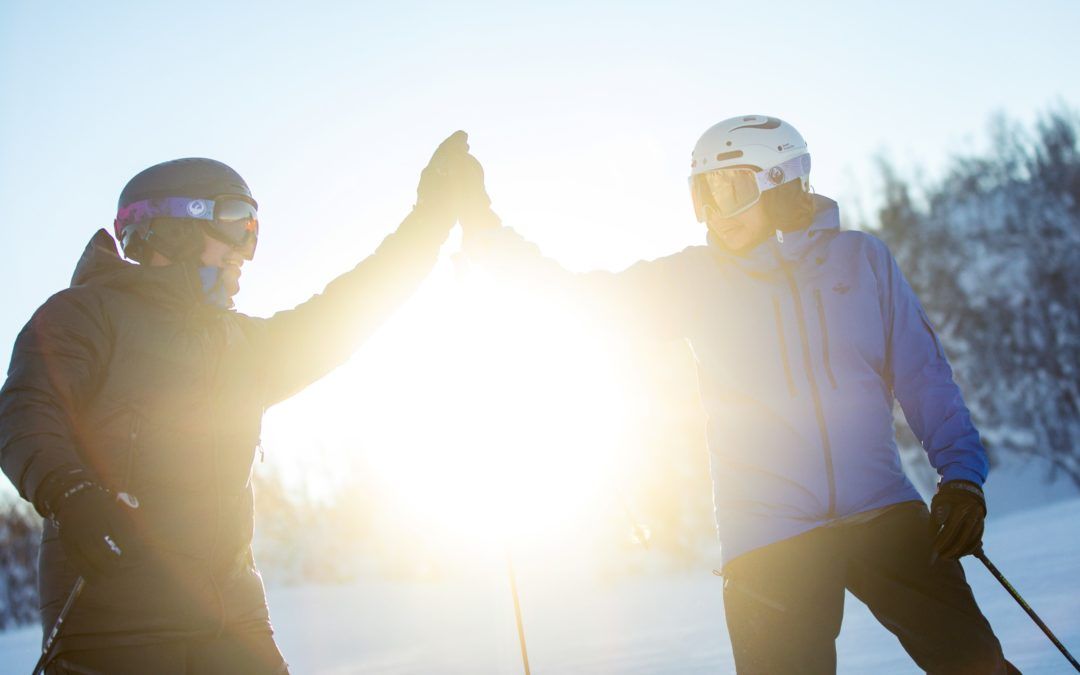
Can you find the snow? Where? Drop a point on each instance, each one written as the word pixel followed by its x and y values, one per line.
pixel 651 623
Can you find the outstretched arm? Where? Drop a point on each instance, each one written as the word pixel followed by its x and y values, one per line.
pixel 303 344
pixel 643 301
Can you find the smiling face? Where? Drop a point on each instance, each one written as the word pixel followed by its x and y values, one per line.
pixel 742 232
pixel 218 254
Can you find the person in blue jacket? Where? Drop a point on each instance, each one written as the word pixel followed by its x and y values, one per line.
pixel 803 334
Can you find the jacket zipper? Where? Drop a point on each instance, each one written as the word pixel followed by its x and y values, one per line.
pixel 783 345
pixel 216 447
pixel 824 336
pixel 212 364
pixel 819 411
pixel 210 368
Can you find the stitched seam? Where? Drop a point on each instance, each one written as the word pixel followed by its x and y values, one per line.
pixel 824 336
pixel 783 345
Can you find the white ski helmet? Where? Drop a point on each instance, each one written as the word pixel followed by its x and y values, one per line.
pixel 738 159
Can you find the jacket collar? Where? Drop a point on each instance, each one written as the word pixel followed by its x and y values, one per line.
pixel 789 248
pixel 171 285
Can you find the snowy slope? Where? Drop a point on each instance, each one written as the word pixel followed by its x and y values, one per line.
pixel 645 624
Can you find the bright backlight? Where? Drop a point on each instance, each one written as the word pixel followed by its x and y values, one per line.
pixel 509 422
pixel 485 411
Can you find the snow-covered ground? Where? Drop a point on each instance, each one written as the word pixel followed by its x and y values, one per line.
pixel 644 624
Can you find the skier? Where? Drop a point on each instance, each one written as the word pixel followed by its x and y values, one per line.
pixel 131 413
pixel 803 335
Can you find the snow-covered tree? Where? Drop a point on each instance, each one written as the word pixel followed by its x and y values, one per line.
pixel 20 534
pixel 993 250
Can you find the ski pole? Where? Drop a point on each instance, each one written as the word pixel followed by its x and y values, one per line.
pixel 638 530
pixel 46 650
pixel 128 500
pixel 517 611
pixel 1027 608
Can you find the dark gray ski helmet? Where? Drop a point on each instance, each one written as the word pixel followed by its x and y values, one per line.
pixel 175 238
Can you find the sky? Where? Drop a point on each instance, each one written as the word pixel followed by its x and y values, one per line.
pixel 583 113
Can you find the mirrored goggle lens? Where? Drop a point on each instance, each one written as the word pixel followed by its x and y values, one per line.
pixel 226 210
pixel 732 190
pixel 236 222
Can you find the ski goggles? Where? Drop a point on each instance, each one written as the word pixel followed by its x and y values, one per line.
pixel 232 220
pixel 732 191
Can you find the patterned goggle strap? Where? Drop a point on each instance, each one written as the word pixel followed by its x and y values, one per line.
pixel 146 210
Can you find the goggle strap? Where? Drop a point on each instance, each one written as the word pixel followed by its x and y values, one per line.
pixel 142 212
pixel 785 172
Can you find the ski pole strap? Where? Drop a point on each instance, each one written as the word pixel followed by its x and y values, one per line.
pixel 1027 608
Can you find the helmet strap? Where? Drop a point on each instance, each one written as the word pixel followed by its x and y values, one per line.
pixel 177 239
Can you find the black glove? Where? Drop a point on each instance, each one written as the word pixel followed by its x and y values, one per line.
pixel 475 204
pixel 473 196
pixel 437 193
pixel 96 528
pixel 957 513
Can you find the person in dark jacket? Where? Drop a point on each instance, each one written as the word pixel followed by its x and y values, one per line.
pixel 132 408
pixel 804 335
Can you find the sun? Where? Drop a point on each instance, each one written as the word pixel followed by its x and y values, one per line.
pixel 514 410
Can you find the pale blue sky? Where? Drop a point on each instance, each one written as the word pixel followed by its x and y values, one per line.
pixel 583 113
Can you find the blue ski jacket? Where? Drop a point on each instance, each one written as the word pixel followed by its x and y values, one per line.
pixel 801 345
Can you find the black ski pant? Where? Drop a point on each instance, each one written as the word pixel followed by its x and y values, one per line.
pixel 784 602
pixel 249 654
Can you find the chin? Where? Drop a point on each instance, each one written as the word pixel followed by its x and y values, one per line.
pixel 231 286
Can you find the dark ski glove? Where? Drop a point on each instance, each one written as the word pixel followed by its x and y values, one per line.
pixel 96 528
pixel 475 214
pixel 956 516
pixel 438 191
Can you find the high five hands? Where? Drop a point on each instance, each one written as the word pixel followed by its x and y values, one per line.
pixel 452 185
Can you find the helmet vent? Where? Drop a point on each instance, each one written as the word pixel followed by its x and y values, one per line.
pixel 729 155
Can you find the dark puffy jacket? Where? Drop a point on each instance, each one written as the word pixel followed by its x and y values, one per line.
pixel 131 374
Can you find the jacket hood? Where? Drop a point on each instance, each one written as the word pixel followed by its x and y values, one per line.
pixel 101 264
pixel 791 248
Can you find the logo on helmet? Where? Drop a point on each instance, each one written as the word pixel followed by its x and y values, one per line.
pixel 196 208
pixel 776 175
pixel 769 123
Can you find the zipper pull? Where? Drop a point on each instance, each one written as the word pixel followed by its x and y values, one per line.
pixel 780 236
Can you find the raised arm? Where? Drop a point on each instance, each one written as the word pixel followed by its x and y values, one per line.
pixel 645 300
pixel 303 344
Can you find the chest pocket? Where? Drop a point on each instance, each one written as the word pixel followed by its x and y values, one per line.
pixel 851 329
pixel 744 348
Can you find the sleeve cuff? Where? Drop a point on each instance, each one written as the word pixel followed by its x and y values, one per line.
pixel 959 472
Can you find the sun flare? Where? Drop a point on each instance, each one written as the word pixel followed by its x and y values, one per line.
pixel 488 412
pixel 521 410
